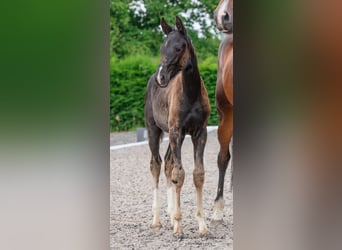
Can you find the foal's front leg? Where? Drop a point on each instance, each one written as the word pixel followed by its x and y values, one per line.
pixel 199 140
pixel 177 176
pixel 155 165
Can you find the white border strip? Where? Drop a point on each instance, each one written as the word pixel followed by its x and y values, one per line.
pixel 211 128
pixel 128 145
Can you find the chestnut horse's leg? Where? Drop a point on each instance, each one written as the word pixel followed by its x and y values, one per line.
pixel 199 141
pixel 177 175
pixel 231 163
pixel 225 131
pixel 170 192
pixel 155 164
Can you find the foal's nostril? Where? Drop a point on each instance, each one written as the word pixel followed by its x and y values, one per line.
pixel 226 16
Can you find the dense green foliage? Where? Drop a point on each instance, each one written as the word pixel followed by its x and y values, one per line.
pixel 128 82
pixel 135 39
pixel 208 71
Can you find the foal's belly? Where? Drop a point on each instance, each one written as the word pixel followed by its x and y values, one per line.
pixel 188 120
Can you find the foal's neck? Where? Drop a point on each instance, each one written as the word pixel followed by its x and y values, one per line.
pixel 191 78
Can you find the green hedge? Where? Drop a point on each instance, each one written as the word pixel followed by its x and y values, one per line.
pixel 128 80
pixel 208 70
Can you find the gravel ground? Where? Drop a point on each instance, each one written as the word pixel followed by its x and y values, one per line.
pixel 131 197
pixel 122 138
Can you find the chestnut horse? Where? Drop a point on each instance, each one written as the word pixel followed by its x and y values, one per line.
pixel 177 102
pixel 224 97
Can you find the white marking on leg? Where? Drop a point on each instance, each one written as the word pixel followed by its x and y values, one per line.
pixel 218 209
pixel 158 76
pixel 202 225
pixel 203 229
pixel 156 208
pixel 177 215
pixel 170 200
pixel 177 228
pixel 170 203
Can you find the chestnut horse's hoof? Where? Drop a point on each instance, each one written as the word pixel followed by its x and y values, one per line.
pixel 216 223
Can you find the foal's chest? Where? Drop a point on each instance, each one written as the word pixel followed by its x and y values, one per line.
pixel 195 116
pixel 173 108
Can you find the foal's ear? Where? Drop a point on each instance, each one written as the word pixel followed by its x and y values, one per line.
pixel 180 25
pixel 165 27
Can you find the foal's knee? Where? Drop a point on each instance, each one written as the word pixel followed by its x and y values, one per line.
pixel 177 176
pixel 198 176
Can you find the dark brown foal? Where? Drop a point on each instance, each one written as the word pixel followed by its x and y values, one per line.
pixel 224 98
pixel 177 102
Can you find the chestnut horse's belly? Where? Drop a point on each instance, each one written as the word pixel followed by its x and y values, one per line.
pixel 227 77
pixel 225 70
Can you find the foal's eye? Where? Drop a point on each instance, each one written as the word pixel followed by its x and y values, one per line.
pixel 177 49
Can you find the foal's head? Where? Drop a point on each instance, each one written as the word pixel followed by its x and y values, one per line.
pixel 223 16
pixel 175 52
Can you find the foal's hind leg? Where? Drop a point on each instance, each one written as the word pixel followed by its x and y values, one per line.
pixel 199 140
pixel 155 164
pixel 170 191
pixel 225 131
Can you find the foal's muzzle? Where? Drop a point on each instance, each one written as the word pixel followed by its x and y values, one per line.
pixel 162 78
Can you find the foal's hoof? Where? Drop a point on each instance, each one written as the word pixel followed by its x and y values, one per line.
pixel 156 225
pixel 204 232
pixel 178 236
